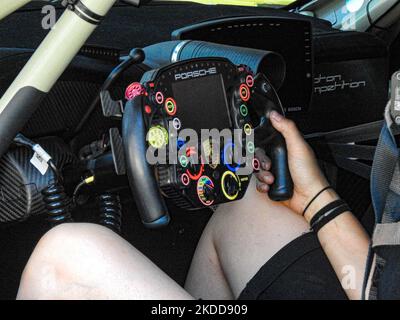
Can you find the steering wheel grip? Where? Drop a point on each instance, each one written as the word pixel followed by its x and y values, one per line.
pixel 271 140
pixel 282 188
pixel 146 192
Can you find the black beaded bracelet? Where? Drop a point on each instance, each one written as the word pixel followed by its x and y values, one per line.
pixel 327 214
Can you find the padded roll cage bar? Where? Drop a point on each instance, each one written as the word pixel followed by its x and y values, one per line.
pixel 48 62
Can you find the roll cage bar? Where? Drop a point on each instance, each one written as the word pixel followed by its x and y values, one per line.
pixel 48 62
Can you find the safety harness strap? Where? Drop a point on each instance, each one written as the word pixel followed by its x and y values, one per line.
pixel 386 234
pixel 347 149
pixel 384 169
pixel 385 194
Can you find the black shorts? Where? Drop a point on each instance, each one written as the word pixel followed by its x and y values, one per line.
pixel 300 270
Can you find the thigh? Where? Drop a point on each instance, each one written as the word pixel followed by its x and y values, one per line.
pixel 84 261
pixel 300 271
pixel 244 236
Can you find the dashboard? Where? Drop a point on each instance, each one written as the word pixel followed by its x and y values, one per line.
pixel 292 38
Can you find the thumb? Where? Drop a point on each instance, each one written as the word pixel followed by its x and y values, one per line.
pixel 288 129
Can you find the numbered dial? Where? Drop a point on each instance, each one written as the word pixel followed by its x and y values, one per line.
pixel 206 191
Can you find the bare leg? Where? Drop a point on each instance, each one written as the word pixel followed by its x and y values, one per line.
pixel 84 261
pixel 240 238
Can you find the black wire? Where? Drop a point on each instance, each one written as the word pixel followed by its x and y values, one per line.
pixel 111 79
pixel 76 191
pixel 296 5
pixel 57 175
pixel 135 56
pixel 106 85
pixel 17 54
pixel 371 22
pixel 20 139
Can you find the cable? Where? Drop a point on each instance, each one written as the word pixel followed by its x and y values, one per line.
pixel 110 211
pixel 296 5
pixel 84 182
pixel 370 20
pixel 57 202
pixel 136 56
pixel 20 139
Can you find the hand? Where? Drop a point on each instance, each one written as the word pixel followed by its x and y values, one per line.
pixel 307 177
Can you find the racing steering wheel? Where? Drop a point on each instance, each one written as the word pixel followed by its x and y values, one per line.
pixel 198 94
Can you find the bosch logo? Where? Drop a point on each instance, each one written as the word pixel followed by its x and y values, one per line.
pixel 196 74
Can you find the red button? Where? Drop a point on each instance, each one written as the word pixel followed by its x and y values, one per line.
pixel 250 80
pixel 244 92
pixel 134 90
pixel 191 151
pixel 159 97
pixel 256 164
pixel 185 179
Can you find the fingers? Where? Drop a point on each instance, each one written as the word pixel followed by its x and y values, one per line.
pixel 264 177
pixel 264 160
pixel 264 180
pixel 262 187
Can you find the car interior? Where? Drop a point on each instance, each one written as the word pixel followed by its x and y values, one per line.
pixel 322 63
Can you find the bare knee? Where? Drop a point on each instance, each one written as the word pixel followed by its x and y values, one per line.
pixel 247 233
pixel 62 260
pixel 258 211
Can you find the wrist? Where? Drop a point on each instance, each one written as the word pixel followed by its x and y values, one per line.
pixel 323 200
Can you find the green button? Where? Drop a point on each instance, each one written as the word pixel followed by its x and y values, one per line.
pixel 250 147
pixel 170 106
pixel 184 161
pixel 243 110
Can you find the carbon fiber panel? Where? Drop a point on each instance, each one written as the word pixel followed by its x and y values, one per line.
pixel 21 183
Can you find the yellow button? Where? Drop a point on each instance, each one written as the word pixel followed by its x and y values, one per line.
pixel 157 137
pixel 247 129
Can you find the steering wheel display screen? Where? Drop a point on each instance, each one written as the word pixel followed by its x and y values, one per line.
pixel 203 103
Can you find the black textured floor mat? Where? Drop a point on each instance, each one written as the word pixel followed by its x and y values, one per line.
pixel 16 245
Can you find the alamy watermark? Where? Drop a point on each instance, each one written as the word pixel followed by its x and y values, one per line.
pixel 349 279
pixel 50 17
pixel 49 13
pixel 234 149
